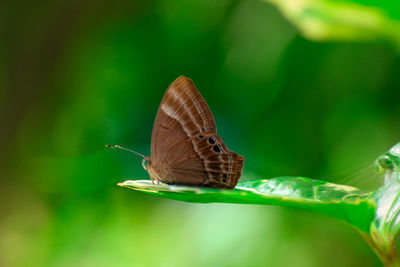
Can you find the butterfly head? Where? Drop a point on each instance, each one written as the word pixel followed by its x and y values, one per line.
pixel 146 163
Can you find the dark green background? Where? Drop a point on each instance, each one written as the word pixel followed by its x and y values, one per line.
pixel 75 76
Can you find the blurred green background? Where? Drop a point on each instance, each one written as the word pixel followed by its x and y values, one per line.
pixel 75 76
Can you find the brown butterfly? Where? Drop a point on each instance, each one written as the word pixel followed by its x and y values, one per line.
pixel 185 147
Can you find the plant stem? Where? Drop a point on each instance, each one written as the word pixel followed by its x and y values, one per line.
pixel 385 249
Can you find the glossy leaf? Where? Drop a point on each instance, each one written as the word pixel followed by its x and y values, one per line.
pixel 375 214
pixel 340 201
pixel 387 218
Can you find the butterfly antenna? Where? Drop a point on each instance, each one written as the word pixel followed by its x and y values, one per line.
pixel 123 148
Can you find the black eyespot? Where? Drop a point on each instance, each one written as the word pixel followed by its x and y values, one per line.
pixel 211 140
pixel 224 180
pixel 201 136
pixel 216 149
pixel 225 175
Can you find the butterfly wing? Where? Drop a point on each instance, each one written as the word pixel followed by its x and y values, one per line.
pixel 179 148
pixel 182 114
pixel 220 166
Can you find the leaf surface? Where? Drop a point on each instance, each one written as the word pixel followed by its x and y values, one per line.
pixel 343 202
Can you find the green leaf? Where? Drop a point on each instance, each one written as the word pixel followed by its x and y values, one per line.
pixel 343 202
pixel 375 214
pixel 387 217
pixel 344 19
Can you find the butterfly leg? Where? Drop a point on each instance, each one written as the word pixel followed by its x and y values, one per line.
pixel 152 178
pixel 146 159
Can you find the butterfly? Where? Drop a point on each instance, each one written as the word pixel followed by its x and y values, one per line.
pixel 185 147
